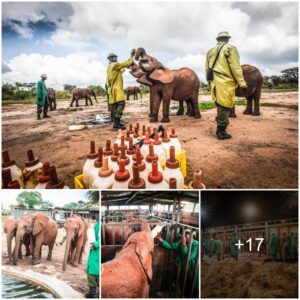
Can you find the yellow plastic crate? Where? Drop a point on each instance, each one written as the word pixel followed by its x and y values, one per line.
pixel 78 181
pixel 181 157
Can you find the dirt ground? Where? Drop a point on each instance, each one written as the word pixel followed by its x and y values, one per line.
pixel 244 279
pixel 263 152
pixel 75 277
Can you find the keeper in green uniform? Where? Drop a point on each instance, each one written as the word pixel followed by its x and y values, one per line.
pixel 182 253
pixel 292 246
pixel 234 250
pixel 41 98
pixel 217 247
pixel 227 75
pixel 116 93
pixel 93 262
pixel 284 246
pixel 274 245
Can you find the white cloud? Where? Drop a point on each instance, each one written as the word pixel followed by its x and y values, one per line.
pixel 81 69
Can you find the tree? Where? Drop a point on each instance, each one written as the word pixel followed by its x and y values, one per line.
pixel 47 205
pixel 93 197
pixel 291 75
pixel 71 205
pixel 30 199
pixel 69 87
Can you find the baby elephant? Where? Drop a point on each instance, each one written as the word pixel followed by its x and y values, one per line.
pixel 42 231
pixel 51 97
pixel 129 274
pixel 79 93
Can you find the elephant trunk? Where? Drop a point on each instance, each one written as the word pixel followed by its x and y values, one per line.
pixel 93 92
pixel 140 52
pixel 67 251
pixel 19 238
pixel 9 240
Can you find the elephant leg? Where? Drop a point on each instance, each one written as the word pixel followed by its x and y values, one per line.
pixel 232 112
pixel 155 108
pixel 72 101
pixel 36 259
pixel 20 251
pixel 27 246
pixel 77 104
pixel 40 254
pixel 248 110
pixel 166 108
pixel 54 108
pixel 49 257
pixel 77 253
pixel 51 105
pixel 256 98
pixel 180 111
pixel 90 99
pixel 195 106
pixel 190 109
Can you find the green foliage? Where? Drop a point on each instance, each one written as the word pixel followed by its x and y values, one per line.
pixel 63 95
pixel 46 205
pixel 144 89
pixel 30 199
pixel 69 87
pixel 93 196
pixel 18 91
pixel 288 80
pixel 71 205
pixel 99 90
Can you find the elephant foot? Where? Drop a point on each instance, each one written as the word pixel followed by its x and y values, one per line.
pixel 27 254
pixel 197 116
pixel 247 112
pixel 49 258
pixel 165 120
pixel 256 113
pixel 36 261
pixel 179 113
pixel 153 119
pixel 74 264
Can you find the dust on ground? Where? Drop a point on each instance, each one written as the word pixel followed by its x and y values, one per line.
pixel 74 277
pixel 263 151
pixel 230 279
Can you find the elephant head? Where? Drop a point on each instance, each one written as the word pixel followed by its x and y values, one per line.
pixel 75 228
pixel 153 68
pixel 29 224
pixel 144 247
pixel 141 76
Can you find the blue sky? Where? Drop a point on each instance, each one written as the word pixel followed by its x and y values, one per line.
pixel 70 40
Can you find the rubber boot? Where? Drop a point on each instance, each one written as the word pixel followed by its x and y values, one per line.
pixel 39 117
pixel 46 116
pixel 118 125
pixel 222 134
pixel 92 293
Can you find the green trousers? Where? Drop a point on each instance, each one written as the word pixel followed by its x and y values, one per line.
pixel 93 280
pixel 222 115
pixel 117 109
pixel 43 108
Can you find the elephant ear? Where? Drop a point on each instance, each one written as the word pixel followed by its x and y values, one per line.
pixel 164 76
pixel 145 257
pixel 40 222
pixel 81 227
pixel 144 80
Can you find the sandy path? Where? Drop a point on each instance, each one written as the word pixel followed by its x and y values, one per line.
pixel 263 152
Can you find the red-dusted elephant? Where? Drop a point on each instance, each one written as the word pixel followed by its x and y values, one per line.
pixel 80 93
pixel 76 230
pixel 10 229
pixel 133 90
pixel 43 232
pixel 51 97
pixel 119 239
pixel 254 80
pixel 128 275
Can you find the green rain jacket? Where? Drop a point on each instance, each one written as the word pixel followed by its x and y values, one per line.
pixel 234 250
pixel 93 259
pixel 274 244
pixel 228 74
pixel 217 247
pixel 41 93
pixel 292 244
pixel 182 256
pixel 115 80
